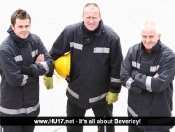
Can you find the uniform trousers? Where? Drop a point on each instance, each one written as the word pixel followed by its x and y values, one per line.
pixel 102 110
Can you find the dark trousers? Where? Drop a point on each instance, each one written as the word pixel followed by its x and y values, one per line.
pixel 136 129
pixel 99 111
pixel 18 128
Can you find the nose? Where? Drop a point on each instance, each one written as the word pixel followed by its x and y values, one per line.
pixel 147 39
pixel 91 20
pixel 24 28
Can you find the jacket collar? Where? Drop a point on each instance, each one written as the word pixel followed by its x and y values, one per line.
pixel 18 39
pixel 154 48
pixel 84 34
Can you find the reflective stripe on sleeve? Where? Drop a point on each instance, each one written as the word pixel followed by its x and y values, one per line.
pixel 19 111
pixel 115 80
pixel 129 82
pixel 25 77
pixel 46 67
pixel 148 83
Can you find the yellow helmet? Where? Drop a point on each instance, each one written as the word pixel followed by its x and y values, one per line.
pixel 62 65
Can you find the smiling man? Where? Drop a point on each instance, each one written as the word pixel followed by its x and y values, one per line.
pixel 23 58
pixel 96 58
pixel 150 35
pixel 148 72
pixel 91 16
pixel 21 28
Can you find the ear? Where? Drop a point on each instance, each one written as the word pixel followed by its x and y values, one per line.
pixel 83 16
pixel 159 36
pixel 12 26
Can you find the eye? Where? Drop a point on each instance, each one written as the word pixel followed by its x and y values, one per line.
pixel 144 37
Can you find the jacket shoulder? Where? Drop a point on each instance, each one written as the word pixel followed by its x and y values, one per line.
pixel 134 48
pixel 36 40
pixel 73 27
pixel 35 37
pixel 166 48
pixel 110 31
pixel 7 43
pixel 166 51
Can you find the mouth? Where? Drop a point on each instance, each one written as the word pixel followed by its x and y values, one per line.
pixel 148 43
pixel 24 34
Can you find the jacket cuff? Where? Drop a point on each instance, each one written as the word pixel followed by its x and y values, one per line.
pixel 115 89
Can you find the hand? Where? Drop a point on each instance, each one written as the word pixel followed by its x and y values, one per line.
pixel 111 97
pixel 39 59
pixel 48 82
pixel 134 73
pixel 156 75
pixel 26 70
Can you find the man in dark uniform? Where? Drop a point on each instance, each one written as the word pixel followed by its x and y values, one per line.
pixel 23 58
pixel 148 72
pixel 96 58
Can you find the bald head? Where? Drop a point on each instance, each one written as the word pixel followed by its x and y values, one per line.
pixel 150 25
pixel 150 35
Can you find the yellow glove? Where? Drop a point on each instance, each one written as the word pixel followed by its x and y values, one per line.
pixel 111 97
pixel 48 82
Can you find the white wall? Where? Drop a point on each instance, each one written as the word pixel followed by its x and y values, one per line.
pixel 49 17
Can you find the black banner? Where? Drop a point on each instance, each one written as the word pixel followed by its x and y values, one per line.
pixel 125 121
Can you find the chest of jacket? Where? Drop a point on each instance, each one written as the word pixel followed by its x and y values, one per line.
pixel 147 64
pixel 24 54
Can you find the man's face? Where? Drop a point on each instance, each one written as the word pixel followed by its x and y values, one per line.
pixel 91 17
pixel 21 28
pixel 149 38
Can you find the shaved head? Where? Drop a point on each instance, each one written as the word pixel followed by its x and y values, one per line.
pixel 150 35
pixel 150 25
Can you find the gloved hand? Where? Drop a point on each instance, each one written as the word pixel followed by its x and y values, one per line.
pixel 26 70
pixel 134 73
pixel 111 97
pixel 48 82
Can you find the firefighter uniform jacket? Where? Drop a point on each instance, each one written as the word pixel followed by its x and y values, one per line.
pixel 95 63
pixel 149 96
pixel 20 92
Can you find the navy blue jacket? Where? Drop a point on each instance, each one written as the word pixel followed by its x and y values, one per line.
pixel 19 92
pixel 149 96
pixel 95 63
